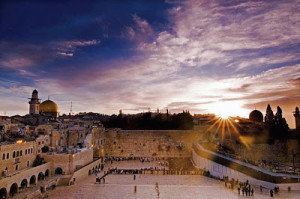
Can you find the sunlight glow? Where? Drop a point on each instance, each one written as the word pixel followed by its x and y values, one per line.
pixel 227 109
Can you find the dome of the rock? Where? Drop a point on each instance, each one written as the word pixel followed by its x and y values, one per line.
pixel 49 106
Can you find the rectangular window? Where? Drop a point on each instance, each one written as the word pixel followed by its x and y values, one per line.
pixel 31 150
pixel 21 152
pixel 25 151
pixel 17 153
pixel 28 163
pixel 14 154
pixel 3 156
pixel 7 156
pixel 16 167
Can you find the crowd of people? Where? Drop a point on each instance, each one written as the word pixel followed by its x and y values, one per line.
pixel 244 188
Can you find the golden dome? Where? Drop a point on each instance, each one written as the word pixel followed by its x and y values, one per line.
pixel 48 106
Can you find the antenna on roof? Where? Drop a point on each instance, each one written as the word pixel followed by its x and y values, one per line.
pixel 71 112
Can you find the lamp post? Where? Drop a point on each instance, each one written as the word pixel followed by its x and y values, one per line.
pixel 294 155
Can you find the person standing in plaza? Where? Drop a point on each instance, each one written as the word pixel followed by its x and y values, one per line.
pixel 260 188
pixel 134 177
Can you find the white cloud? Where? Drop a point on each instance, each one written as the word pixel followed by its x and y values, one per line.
pixel 17 62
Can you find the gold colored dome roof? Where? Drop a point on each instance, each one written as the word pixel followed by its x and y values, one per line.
pixel 49 106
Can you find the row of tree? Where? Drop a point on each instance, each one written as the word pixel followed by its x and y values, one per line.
pixel 145 121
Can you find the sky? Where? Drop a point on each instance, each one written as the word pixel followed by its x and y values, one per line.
pixel 207 56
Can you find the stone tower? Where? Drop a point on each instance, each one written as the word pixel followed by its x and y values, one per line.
pixel 34 103
pixel 297 118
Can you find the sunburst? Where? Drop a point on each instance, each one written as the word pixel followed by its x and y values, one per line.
pixel 227 127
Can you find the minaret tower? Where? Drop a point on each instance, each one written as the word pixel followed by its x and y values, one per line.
pixel 34 103
pixel 297 118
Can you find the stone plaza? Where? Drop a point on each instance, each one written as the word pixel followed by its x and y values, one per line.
pixel 169 186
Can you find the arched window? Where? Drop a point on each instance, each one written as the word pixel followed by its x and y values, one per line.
pixel 3 193
pixel 14 154
pixel 32 180
pixel 13 189
pixel 58 171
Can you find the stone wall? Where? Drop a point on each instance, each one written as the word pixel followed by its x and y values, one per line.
pixel 69 162
pixel 147 143
pixel 85 171
pixel 220 171
pixel 278 152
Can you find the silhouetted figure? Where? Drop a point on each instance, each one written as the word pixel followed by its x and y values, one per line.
pixel 260 188
pixel 271 193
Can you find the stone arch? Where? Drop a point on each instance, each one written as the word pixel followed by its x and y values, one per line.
pixel 41 176
pixel 47 173
pixel 13 189
pixel 3 193
pixel 90 172
pixel 32 180
pixel 24 183
pixel 58 171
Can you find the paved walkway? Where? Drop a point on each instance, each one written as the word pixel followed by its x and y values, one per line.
pixel 169 186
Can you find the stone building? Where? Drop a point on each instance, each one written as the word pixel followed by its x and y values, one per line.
pixel 68 163
pixel 16 156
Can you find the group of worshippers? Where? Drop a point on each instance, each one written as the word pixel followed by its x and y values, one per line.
pixel 245 188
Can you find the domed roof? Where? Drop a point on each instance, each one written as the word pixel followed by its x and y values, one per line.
pixel 256 116
pixel 49 106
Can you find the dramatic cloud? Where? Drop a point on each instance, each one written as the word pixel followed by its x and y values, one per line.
pixel 205 56
pixel 15 55
pixel 67 48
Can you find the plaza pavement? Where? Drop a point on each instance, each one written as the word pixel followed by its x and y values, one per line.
pixel 169 186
